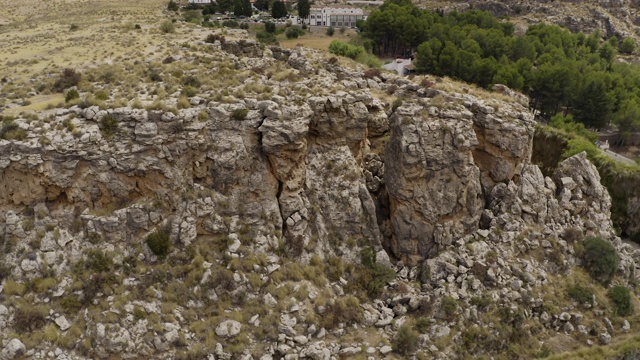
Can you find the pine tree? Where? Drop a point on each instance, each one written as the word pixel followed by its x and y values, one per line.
pixel 592 105
pixel 278 10
pixel 238 8
pixel 246 8
pixel 304 8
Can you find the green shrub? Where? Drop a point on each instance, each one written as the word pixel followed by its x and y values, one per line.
pixel 628 46
pixel 342 48
pixel 71 94
pixel 620 297
pixel 108 126
pixel 266 38
pixel 423 324
pixel 343 310
pixel 475 338
pixel 167 27
pixel 70 304
pixel 581 294
pixel 396 104
pixel 191 81
pixel 212 38
pixel 230 24
pixel 330 31
pixel 101 95
pixel 406 340
pixel 293 32
pixel 29 318
pixel 11 131
pixel 600 259
pixel 449 306
pixel 159 243
pixel 482 302
pixel 98 261
pixel 5 271
pixel 270 27
pixel 73 27
pixel 239 114
pixel 67 79
pixel 172 6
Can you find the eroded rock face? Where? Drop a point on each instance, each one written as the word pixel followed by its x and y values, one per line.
pixel 433 183
pixel 315 151
pixel 504 143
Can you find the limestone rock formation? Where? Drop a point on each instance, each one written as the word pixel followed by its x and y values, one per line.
pixel 245 225
pixel 432 181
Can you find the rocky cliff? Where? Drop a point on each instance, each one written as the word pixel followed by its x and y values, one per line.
pixel 268 206
pixel 611 18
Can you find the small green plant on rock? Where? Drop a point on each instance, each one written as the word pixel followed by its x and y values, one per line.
pixel 11 131
pixel 239 114
pixel 108 126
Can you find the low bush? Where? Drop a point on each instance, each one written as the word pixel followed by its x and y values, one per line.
pixel 159 243
pixel 600 259
pixel 167 27
pixel 343 310
pixel 406 340
pixel 230 24
pixel 98 261
pixel 212 38
pixel 266 38
pixel 67 79
pixel 270 27
pixel 71 95
pixel 331 30
pixel 293 32
pixel 11 131
pixel 101 95
pixel 108 126
pixel 449 306
pixel 70 304
pixel 620 297
pixel 29 318
pixel 581 294
pixel 396 104
pixel 342 48
pixel 239 114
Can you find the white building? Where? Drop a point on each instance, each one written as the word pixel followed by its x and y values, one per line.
pixel 336 16
pixel 401 66
pixel 201 1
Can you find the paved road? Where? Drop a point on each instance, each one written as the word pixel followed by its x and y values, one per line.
pixel 619 157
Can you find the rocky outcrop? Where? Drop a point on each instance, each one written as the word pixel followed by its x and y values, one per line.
pixel 611 18
pixel 315 151
pixel 442 165
pixel 432 181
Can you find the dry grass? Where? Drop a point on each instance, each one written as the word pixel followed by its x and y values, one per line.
pixel 34 44
pixel 622 345
pixel 317 39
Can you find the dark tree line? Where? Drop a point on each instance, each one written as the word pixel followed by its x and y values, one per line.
pixel 561 71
